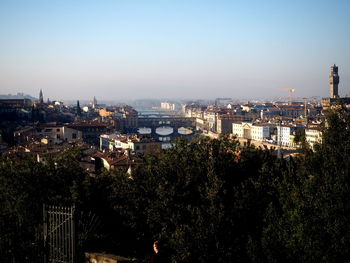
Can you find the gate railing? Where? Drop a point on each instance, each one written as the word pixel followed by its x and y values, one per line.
pixel 59 234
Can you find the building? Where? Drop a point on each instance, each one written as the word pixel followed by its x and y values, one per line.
pixel 91 131
pixel 129 119
pixel 333 90
pixel 16 103
pixel 137 144
pixel 328 102
pixel 115 159
pixel 254 131
pixel 225 121
pixel 105 113
pixel 313 134
pixel 286 135
pixel 194 110
pixel 237 129
pixel 57 133
pixel 292 111
pixel 105 141
pixel 24 135
pixel 211 116
pixel 15 109
pixel 167 106
pixel 333 82
pixel 260 132
pixel 269 111
pixel 201 124
pixel 48 133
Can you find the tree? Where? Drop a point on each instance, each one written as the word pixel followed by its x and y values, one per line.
pixel 206 198
pixel 311 220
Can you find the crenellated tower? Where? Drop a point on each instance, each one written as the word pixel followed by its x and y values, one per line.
pixel 333 82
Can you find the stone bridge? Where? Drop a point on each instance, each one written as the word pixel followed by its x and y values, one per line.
pixel 172 122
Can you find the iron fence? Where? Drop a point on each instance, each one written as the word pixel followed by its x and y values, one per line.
pixel 59 234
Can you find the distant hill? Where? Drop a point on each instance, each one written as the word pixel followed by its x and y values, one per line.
pixel 17 96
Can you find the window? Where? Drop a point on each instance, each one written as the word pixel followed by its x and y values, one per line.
pixel 137 147
pixel 74 135
pixel 58 130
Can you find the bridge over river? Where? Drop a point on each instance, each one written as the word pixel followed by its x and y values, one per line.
pixel 166 128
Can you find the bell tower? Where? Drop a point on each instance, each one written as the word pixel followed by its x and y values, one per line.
pixel 333 82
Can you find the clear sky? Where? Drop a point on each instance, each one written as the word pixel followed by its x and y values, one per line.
pixel 124 49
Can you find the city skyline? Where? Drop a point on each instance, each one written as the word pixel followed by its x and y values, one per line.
pixel 122 50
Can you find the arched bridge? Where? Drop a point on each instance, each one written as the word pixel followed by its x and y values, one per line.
pixel 173 122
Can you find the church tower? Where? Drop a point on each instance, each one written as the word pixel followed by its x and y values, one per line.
pixel 333 82
pixel 41 97
pixel 78 108
pixel 94 103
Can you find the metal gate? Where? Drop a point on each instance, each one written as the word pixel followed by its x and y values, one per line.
pixel 59 234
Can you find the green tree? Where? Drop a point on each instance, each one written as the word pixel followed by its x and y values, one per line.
pixel 206 198
pixel 311 220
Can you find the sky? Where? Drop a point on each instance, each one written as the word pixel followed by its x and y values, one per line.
pixel 135 49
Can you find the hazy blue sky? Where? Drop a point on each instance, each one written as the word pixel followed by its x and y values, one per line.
pixel 122 49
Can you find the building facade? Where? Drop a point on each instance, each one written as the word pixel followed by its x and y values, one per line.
pixel 255 131
pixel 286 135
pixel 313 135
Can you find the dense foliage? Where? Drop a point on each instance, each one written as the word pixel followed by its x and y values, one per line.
pixel 206 201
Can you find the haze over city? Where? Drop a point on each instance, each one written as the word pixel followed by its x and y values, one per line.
pixel 187 131
pixel 173 49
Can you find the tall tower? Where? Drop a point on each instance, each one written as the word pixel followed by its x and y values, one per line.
pixel 41 97
pixel 333 82
pixel 78 108
pixel 94 103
